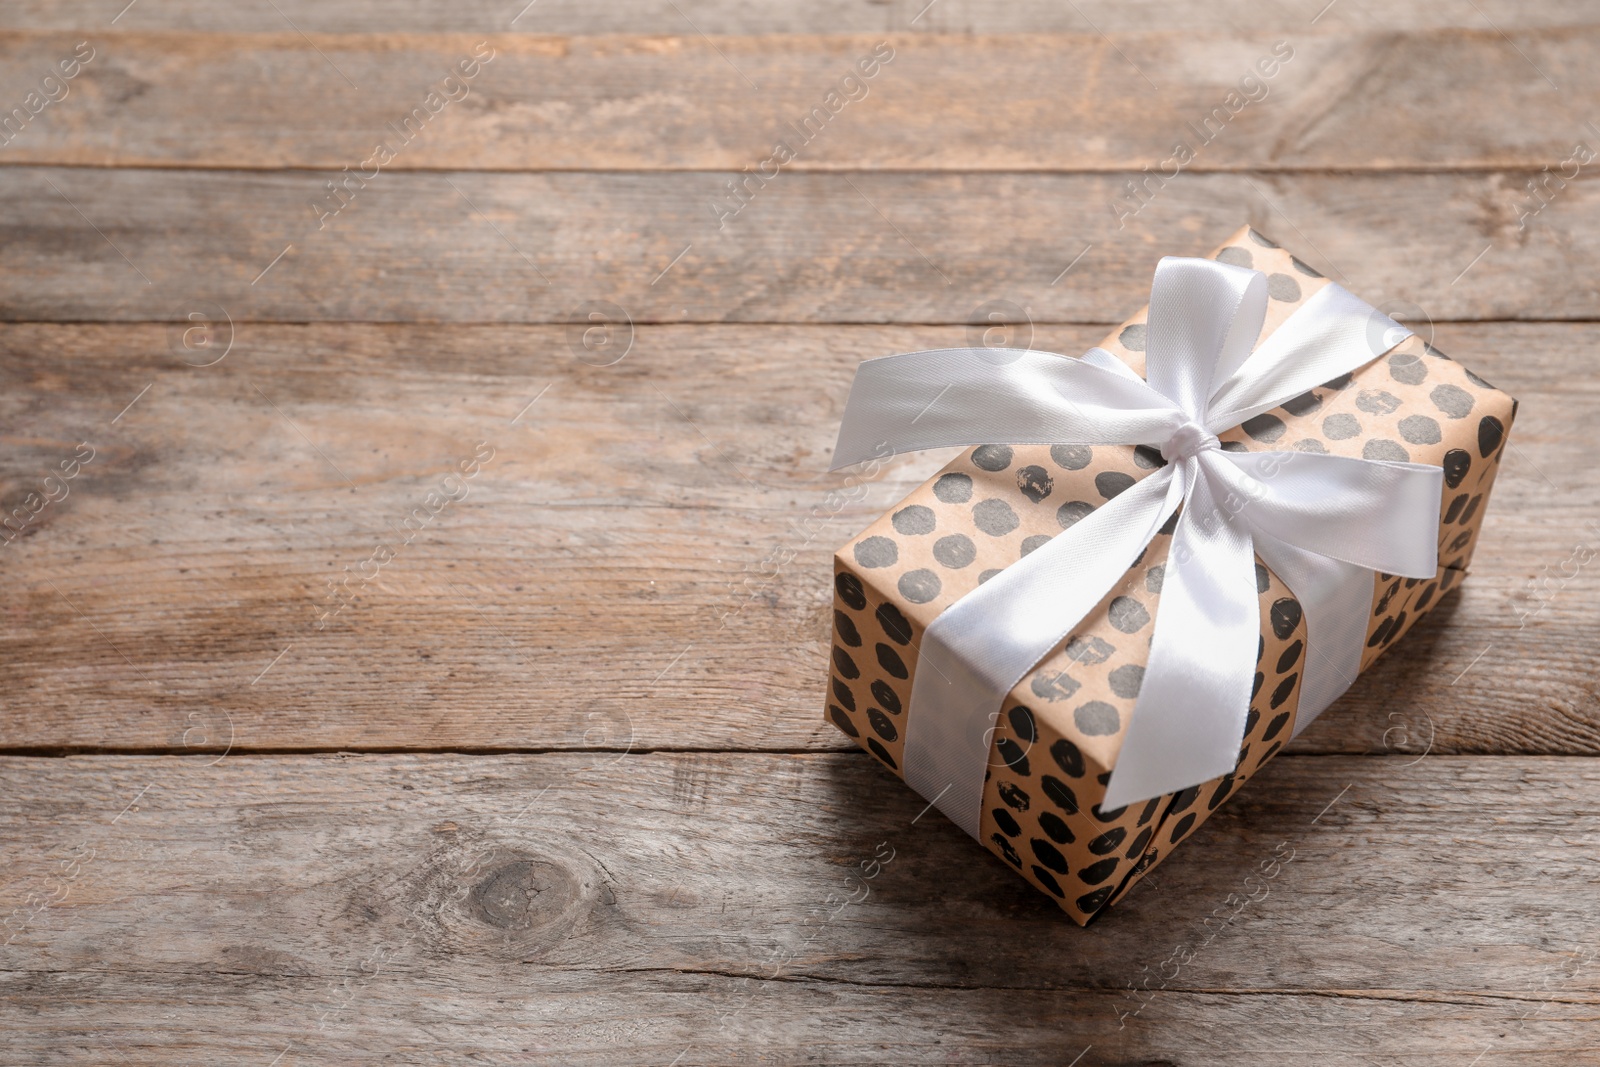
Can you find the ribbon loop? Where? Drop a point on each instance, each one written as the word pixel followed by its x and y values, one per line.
pixel 1365 512
pixel 1332 333
pixel 1204 319
pixel 974 396
pixel 1322 523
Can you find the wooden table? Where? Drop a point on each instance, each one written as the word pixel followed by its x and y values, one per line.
pixel 424 661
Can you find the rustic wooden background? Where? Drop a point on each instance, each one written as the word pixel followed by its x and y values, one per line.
pixel 552 786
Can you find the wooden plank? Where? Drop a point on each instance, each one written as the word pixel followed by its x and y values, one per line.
pixel 1351 100
pixel 140 245
pixel 700 907
pixel 778 16
pixel 644 561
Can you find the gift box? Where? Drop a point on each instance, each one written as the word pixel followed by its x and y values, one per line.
pixel 1055 740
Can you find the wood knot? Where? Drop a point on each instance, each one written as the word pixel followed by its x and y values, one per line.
pixel 524 894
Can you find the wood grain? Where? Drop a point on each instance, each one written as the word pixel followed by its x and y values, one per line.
pixel 552 785
pixel 1369 99
pixel 121 245
pixel 440 909
pixel 720 17
pixel 619 575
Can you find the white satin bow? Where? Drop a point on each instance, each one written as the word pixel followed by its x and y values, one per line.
pixel 1323 523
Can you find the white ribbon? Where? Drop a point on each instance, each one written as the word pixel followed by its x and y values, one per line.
pixel 1323 523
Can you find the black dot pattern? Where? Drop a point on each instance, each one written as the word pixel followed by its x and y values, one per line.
pixel 1385 449
pixel 893 623
pixel 1304 404
pixel 1341 426
pixel 1057 740
pixel 1148 458
pixel 1109 483
pixel 919 586
pixel 955 551
pixel 1071 457
pixel 1072 512
pixel 995 517
pixel 891 662
pixel 1490 434
pixel 1283 287
pixel 914 520
pixel 1407 368
pixel 1265 428
pixel 1303 269
pixel 1421 430
pixel 992 457
pixel 1128 615
pixel 1377 402
pixel 877 552
pixel 1126 680
pixel 1034 482
pixel 1097 718
pixel 953 488
pixel 1454 401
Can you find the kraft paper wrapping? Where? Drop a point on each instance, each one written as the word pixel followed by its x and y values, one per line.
pixel 1056 738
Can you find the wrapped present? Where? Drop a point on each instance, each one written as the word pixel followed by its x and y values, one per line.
pixel 1160 562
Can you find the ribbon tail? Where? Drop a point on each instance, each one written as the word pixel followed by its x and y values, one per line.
pixel 1336 598
pixel 1324 524
pixel 1190 716
pixel 982 645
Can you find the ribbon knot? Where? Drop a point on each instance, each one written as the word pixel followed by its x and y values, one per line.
pixel 1188 441
pixel 1322 523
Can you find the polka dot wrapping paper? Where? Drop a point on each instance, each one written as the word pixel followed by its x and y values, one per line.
pixel 1058 734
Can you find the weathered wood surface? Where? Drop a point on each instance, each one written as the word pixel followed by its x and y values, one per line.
pixel 717 17
pixel 728 908
pixel 1365 99
pixel 122 244
pixel 609 578
pixel 598 819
